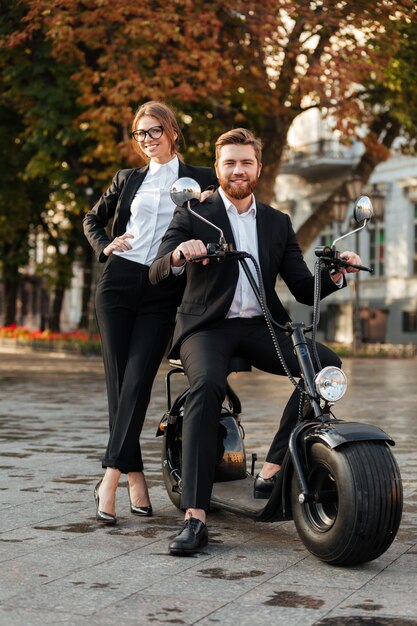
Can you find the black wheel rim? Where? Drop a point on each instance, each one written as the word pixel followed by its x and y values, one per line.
pixel 322 512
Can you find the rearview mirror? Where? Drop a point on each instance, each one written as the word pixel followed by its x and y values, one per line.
pixel 185 190
pixel 363 209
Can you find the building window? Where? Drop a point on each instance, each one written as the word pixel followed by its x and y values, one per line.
pixel 377 248
pixel 327 236
pixel 415 239
pixel 409 321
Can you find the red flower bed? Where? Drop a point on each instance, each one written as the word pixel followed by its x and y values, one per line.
pixel 75 340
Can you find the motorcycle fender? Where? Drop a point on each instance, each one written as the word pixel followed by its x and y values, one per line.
pixel 336 433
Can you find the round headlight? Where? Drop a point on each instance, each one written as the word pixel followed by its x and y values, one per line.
pixel 331 384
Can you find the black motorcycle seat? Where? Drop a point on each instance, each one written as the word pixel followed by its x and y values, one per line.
pixel 237 364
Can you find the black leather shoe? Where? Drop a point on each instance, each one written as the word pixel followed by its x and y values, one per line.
pixel 143 511
pixel 193 536
pixel 262 487
pixel 102 516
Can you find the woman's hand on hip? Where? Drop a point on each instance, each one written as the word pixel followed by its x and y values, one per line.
pixel 119 244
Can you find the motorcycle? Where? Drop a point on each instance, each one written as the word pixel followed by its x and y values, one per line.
pixel 339 481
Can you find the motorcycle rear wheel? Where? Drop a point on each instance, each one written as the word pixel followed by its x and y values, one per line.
pixel 357 509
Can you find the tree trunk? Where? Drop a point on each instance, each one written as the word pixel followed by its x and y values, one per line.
pixel 56 308
pixel 11 286
pixel 64 264
pixel 382 133
pixel 88 257
pixel 274 137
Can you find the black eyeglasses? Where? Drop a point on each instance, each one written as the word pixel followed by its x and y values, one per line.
pixel 154 133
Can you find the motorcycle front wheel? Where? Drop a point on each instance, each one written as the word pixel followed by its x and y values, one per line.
pixel 357 504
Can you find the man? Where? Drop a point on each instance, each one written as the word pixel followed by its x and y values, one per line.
pixel 219 316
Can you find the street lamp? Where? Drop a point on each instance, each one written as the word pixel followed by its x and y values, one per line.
pixel 378 201
pixel 339 208
pixel 354 187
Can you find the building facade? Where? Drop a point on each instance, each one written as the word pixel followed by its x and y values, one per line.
pixel 378 307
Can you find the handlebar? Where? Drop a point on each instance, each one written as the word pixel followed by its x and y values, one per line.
pixel 331 259
pixel 219 252
pixel 336 263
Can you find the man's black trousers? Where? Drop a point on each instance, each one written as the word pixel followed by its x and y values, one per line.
pixel 206 355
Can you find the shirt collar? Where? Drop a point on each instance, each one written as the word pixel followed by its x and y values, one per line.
pixel 173 165
pixel 231 207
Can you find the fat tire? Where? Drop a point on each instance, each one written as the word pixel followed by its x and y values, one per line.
pixel 360 518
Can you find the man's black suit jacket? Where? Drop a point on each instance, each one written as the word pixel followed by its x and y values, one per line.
pixel 210 289
pixel 115 203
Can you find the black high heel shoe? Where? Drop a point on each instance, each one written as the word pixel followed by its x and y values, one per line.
pixel 262 487
pixel 102 516
pixel 143 511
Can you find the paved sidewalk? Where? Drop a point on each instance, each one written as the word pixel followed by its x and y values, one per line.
pixel 58 567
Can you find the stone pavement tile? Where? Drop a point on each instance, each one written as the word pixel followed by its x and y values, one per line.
pixel 408 531
pixel 160 608
pixel 378 603
pixel 70 595
pixel 193 585
pixel 55 430
pixel 279 603
pixel 279 535
pixel 401 576
pixel 25 540
pixel 11 616
pixel 273 555
pixel 116 580
pixel 314 572
pixel 269 561
pixel 55 561
pixel 46 511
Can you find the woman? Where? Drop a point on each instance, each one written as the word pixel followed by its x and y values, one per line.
pixel 135 319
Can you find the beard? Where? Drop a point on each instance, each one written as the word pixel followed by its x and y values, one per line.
pixel 238 192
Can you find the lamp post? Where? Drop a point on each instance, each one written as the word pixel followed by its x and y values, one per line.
pixel 378 201
pixel 354 188
pixel 339 208
pixel 340 205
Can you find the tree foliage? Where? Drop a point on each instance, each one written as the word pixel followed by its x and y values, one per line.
pixel 233 62
pixel 74 72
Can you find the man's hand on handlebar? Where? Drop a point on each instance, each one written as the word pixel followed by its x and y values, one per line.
pixel 349 258
pixel 187 250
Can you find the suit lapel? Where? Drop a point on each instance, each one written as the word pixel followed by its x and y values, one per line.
pixel 182 170
pixel 263 227
pixel 216 213
pixel 132 185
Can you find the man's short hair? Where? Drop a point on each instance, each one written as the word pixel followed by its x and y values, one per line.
pixel 242 137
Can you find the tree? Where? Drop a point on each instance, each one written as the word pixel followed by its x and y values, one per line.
pixel 75 77
pixel 21 202
pixel 233 61
pixel 389 100
pixel 75 72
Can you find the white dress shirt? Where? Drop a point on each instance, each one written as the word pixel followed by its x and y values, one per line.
pixel 243 225
pixel 151 212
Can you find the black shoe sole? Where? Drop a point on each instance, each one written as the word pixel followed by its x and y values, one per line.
pixel 145 511
pixel 183 552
